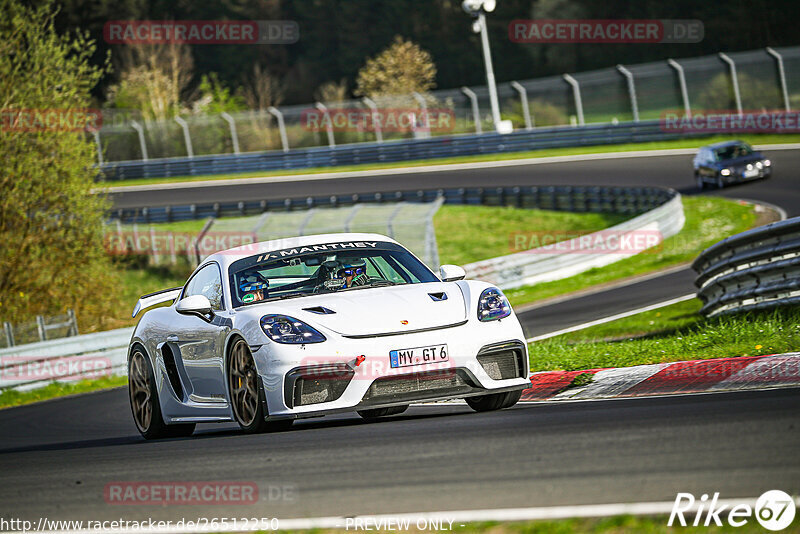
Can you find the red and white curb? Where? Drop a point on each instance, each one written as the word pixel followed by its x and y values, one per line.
pixel 695 376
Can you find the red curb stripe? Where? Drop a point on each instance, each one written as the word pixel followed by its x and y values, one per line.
pixel 545 385
pixel 690 377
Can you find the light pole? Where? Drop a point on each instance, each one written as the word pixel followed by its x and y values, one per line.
pixel 478 9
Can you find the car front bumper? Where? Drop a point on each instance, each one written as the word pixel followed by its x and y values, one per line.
pixel 323 378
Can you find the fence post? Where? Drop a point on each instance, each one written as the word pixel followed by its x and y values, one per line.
pixel 154 246
pixel 473 98
pixel 426 130
pixel 72 319
pixel 232 124
pixel 523 98
pixel 320 106
pixel 172 258
pixel 41 328
pixel 197 240
pixel 735 79
pixel 96 135
pixel 781 75
pixel 376 123
pixel 142 145
pixel 631 91
pixel 576 93
pixel 682 82
pixel 187 139
pixel 9 333
pixel 281 127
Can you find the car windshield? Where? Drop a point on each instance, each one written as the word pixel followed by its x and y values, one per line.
pixel 732 151
pixel 323 268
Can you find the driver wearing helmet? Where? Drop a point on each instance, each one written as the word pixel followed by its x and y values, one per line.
pixel 354 273
pixel 253 286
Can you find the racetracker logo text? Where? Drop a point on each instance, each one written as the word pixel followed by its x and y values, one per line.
pixel 605 31
pixel 197 32
pixel 191 493
pixel 378 120
pixel 577 242
pixel 50 120
pixel 774 510
pixel 726 120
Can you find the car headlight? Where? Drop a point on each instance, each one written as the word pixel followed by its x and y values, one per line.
pixel 767 163
pixel 285 329
pixel 759 165
pixel 493 305
pixel 725 172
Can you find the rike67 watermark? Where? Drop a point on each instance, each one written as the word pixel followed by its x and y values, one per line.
pixel 774 510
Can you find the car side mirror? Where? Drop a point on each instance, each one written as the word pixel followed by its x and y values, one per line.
pixel 195 305
pixel 451 273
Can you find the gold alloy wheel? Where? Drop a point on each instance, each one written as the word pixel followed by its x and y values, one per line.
pixel 139 388
pixel 243 384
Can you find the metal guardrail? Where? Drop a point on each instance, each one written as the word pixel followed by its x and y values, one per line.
pixel 85 356
pixel 623 200
pixel 755 270
pixel 392 151
pixel 574 257
pixel 64 325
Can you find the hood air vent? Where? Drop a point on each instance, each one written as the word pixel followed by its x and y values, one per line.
pixel 321 310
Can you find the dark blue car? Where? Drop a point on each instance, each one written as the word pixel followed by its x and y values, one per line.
pixel 730 162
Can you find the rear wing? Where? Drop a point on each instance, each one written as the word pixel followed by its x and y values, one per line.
pixel 151 299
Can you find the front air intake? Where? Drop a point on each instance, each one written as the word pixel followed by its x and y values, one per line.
pixel 313 385
pixel 407 387
pixel 503 362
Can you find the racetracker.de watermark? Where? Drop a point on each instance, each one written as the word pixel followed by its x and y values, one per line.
pixel 380 119
pixel 50 120
pixel 198 32
pixel 63 369
pixel 605 31
pixel 192 493
pixel 158 243
pixel 577 242
pixel 730 121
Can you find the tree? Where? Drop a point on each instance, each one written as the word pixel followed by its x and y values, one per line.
pixel 51 222
pixel 332 92
pixel 402 68
pixel 153 80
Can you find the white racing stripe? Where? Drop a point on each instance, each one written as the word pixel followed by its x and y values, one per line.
pixel 425 168
pixel 610 318
pixel 458 518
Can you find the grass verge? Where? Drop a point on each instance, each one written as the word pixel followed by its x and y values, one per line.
pixel 12 397
pixel 457 227
pixel 673 333
pixel 756 139
pixel 708 220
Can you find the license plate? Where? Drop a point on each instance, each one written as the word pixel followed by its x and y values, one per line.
pixel 752 173
pixel 418 356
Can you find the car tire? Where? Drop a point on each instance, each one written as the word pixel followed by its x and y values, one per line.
pixel 701 184
pixel 375 413
pixel 248 402
pixel 143 397
pixel 494 401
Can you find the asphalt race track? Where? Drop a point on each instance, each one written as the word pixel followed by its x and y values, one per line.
pixel 57 457
pixel 782 189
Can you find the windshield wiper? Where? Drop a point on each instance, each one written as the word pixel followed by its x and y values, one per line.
pixel 287 296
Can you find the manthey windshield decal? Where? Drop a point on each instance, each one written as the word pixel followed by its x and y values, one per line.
pixel 316 248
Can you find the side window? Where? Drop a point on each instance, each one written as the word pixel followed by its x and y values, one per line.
pixel 207 281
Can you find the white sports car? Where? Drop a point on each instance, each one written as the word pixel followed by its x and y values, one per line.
pixel 303 327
